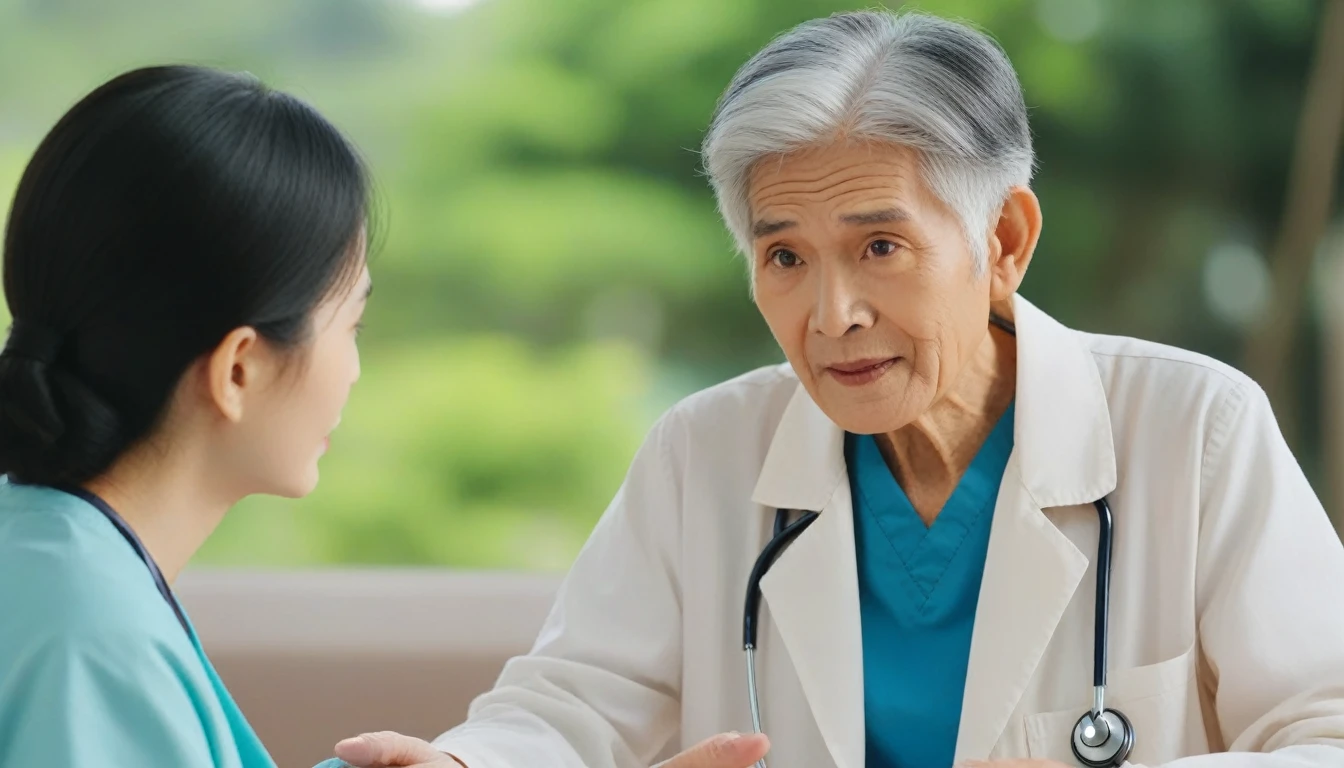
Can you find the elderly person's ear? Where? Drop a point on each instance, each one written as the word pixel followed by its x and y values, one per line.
pixel 1013 241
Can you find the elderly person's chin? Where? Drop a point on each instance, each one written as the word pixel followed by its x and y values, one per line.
pixel 879 399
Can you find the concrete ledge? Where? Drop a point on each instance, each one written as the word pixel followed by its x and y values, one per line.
pixel 314 656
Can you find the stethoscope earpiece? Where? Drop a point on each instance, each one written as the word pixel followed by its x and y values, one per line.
pixel 1103 742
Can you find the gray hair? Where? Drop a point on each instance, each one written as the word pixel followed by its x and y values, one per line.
pixel 936 86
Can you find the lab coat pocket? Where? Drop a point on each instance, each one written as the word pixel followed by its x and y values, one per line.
pixel 1160 700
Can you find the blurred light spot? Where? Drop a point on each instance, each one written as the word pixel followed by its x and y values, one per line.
pixel 1236 283
pixel 632 316
pixel 1071 21
pixel 445 6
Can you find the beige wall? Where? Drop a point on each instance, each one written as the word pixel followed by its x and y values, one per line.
pixel 315 656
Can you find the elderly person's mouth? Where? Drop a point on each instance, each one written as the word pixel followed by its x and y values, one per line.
pixel 856 373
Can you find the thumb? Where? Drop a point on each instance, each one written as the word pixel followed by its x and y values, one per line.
pixel 727 750
pixel 385 748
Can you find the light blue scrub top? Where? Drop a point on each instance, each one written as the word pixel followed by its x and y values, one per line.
pixel 918 587
pixel 95 668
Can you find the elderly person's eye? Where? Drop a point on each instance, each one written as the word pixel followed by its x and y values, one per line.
pixel 782 257
pixel 882 248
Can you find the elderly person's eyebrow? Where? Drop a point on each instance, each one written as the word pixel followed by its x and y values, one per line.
pixel 767 227
pixel 884 216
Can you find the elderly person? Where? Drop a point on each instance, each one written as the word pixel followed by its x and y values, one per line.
pixel 937 474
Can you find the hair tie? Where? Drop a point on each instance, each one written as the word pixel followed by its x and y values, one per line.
pixel 33 341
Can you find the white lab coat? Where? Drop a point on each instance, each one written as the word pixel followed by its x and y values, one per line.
pixel 1227 603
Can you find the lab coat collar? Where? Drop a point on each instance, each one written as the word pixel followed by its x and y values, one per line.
pixel 1062 434
pixel 806 460
pixel 1063 429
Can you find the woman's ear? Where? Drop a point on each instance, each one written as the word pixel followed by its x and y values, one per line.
pixel 232 370
pixel 1013 242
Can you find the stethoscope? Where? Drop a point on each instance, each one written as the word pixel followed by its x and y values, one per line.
pixel 1102 738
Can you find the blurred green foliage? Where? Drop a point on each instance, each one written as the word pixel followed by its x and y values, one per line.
pixel 479 453
pixel 553 272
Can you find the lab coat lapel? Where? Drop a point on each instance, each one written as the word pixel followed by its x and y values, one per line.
pixel 1031 573
pixel 811 593
pixel 1063 455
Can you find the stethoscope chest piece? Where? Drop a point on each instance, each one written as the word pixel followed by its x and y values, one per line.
pixel 1103 742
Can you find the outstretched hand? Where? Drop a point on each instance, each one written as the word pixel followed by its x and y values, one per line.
pixel 387 749
pixel 393 750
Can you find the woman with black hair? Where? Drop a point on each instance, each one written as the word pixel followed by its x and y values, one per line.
pixel 184 262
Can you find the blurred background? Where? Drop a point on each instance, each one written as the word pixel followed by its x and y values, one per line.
pixel 552 273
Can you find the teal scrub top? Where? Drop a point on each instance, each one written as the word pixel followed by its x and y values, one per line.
pixel 918 587
pixel 95 667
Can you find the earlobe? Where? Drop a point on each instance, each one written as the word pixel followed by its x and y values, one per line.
pixel 231 370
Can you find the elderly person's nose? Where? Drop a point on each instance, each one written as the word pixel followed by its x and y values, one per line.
pixel 841 306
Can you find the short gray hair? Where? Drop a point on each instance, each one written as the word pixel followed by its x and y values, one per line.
pixel 936 86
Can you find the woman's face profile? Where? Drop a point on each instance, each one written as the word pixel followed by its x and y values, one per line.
pixel 312 408
pixel 287 422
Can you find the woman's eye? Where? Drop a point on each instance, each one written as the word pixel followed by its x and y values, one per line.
pixel 882 248
pixel 784 258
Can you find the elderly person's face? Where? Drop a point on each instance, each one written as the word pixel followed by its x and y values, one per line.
pixel 867 282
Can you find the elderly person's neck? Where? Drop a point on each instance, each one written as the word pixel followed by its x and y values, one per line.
pixel 929 456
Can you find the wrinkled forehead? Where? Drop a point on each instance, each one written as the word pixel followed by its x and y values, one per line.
pixel 843 179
